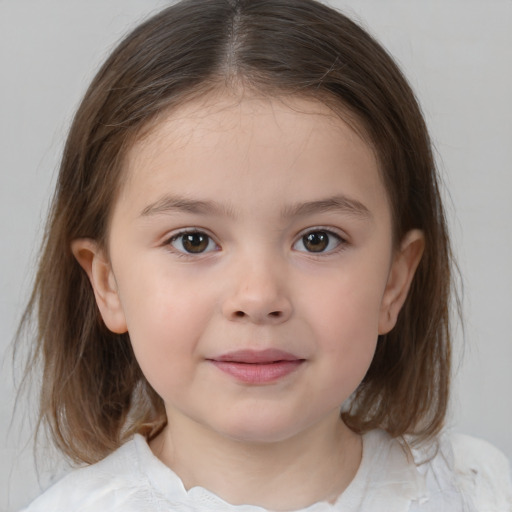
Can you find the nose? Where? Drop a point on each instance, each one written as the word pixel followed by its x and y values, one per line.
pixel 258 295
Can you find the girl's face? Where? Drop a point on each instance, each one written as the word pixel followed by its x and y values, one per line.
pixel 251 262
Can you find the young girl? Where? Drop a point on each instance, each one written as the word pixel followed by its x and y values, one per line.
pixel 243 295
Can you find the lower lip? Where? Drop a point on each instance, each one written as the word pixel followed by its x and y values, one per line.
pixel 258 373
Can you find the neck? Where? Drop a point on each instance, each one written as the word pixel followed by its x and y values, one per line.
pixel 316 465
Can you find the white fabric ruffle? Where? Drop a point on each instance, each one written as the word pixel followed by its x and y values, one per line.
pixel 458 474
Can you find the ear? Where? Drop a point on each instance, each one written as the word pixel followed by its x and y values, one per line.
pixel 93 260
pixel 404 265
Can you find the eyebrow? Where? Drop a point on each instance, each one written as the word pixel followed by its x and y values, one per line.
pixel 169 204
pixel 339 203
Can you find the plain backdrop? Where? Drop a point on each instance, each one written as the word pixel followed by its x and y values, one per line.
pixel 457 55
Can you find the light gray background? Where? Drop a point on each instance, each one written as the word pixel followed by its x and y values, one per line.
pixel 456 53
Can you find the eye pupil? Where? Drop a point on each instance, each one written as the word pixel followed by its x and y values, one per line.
pixel 316 242
pixel 195 242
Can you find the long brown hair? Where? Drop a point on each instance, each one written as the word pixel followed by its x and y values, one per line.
pixel 93 394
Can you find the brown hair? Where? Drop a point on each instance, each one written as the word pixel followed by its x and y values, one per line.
pixel 93 393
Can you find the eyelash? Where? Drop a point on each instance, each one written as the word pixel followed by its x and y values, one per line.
pixel 326 235
pixel 341 242
pixel 191 232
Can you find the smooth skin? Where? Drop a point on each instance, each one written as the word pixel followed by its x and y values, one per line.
pixel 249 223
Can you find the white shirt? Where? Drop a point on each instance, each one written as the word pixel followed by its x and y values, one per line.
pixel 463 475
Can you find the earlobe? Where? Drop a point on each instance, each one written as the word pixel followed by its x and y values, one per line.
pixel 401 274
pixel 93 260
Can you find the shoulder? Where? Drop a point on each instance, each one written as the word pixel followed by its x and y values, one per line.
pixel 116 483
pixel 451 473
pixel 469 467
pixel 482 472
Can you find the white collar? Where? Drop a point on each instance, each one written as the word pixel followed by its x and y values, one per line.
pixel 387 479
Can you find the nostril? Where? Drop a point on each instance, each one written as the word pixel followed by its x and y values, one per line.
pixel 273 314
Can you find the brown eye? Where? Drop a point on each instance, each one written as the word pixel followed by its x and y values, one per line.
pixel 318 241
pixel 193 242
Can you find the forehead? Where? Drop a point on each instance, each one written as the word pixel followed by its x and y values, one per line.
pixel 231 146
pixel 237 113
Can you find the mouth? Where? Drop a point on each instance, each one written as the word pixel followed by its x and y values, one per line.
pixel 257 367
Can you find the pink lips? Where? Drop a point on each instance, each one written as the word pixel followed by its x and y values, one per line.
pixel 257 367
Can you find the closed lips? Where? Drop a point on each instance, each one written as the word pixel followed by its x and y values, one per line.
pixel 257 357
pixel 257 367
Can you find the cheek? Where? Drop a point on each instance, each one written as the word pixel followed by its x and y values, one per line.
pixel 347 306
pixel 345 318
pixel 165 316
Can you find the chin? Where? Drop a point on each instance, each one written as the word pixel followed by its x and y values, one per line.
pixel 257 430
